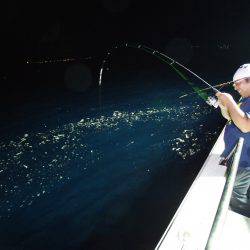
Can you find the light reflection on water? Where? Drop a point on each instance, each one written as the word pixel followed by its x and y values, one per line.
pixel 70 174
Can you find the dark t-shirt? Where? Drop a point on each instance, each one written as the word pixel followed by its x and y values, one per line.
pixel 232 134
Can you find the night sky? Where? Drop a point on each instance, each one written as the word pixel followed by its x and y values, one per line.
pixel 40 28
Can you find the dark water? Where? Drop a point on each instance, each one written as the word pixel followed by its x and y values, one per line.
pixel 100 170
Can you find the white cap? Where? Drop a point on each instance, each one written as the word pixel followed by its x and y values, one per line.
pixel 242 72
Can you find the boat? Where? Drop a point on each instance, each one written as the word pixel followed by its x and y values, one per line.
pixel 204 219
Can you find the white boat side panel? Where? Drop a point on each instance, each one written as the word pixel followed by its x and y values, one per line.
pixel 191 225
pixel 236 233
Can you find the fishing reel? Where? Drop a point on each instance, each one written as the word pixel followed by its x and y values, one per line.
pixel 212 101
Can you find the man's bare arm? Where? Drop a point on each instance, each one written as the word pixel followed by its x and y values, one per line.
pixel 238 117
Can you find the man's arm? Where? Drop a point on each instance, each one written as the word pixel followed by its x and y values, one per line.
pixel 238 117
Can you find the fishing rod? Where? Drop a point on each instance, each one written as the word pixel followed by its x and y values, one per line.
pixel 212 101
pixel 184 67
pixel 221 85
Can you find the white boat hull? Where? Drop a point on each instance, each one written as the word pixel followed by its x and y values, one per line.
pixel 192 223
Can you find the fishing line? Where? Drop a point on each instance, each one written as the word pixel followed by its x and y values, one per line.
pixel 212 101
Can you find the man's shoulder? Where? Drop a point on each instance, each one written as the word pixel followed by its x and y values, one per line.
pixel 245 104
pixel 245 100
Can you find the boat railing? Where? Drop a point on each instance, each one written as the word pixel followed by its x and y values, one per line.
pixel 223 206
pixel 193 225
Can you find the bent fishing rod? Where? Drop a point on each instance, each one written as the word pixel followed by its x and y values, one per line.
pixel 215 86
pixel 218 85
pixel 212 101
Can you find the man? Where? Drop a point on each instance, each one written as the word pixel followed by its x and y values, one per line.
pixel 238 125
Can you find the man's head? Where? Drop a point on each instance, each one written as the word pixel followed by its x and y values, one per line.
pixel 241 80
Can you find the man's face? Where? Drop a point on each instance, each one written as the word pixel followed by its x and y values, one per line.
pixel 243 87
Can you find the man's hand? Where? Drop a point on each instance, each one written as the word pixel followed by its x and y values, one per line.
pixel 225 99
pixel 235 113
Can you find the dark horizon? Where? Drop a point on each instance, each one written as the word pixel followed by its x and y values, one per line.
pixel 59 29
pixel 207 36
